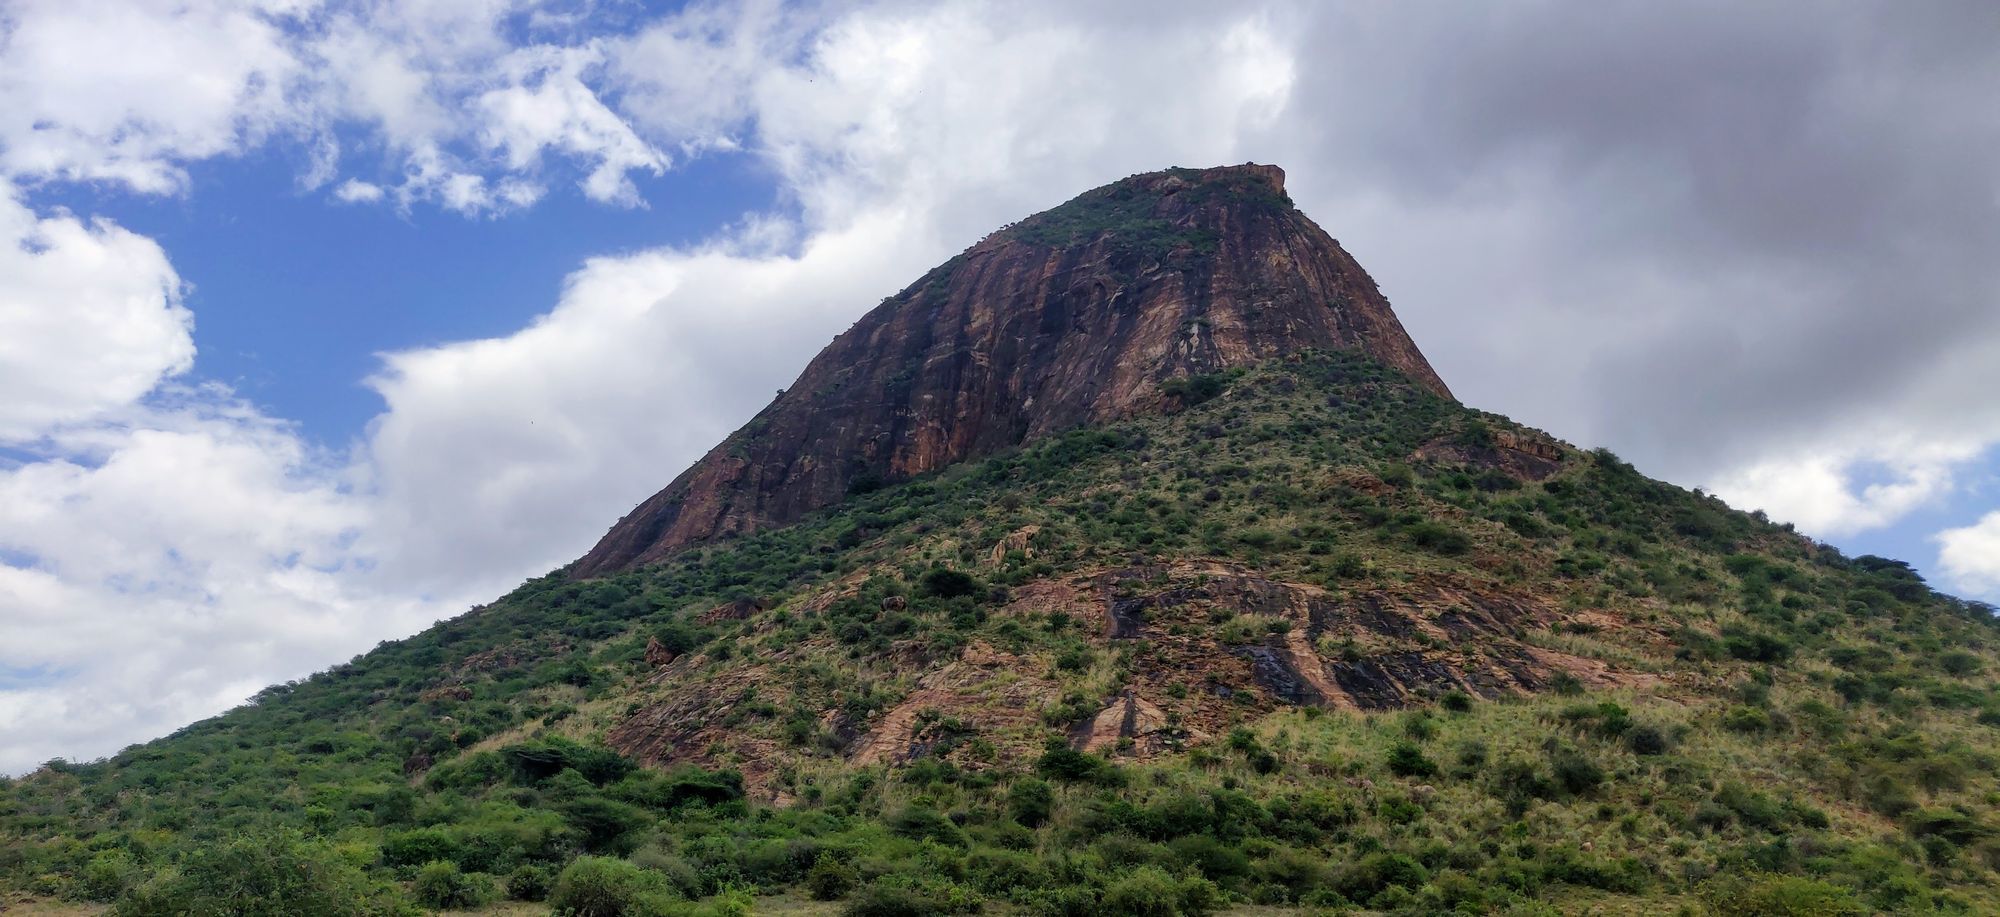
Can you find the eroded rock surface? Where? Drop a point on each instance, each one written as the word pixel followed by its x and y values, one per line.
pixel 1073 316
pixel 1212 645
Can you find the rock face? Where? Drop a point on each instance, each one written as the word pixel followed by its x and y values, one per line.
pixel 1077 315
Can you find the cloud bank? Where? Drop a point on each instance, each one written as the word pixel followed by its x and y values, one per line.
pixel 1746 247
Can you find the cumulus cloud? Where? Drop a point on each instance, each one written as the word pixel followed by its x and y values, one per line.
pixel 181 555
pixel 547 105
pixel 1970 555
pixel 356 191
pixel 129 92
pixel 90 319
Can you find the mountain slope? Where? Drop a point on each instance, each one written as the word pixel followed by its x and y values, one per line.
pixel 1301 632
pixel 1077 315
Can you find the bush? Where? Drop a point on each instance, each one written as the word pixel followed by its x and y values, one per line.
pixel 1778 896
pixel 946 583
pixel 1746 719
pixel 1193 390
pixel 900 896
pixel 1031 802
pixel 1574 772
pixel 1754 646
pixel 1647 740
pixel 415 848
pixel 1150 892
pixel 605 887
pixel 277 875
pixel 1377 872
pixel 1407 760
pixel 107 876
pixel 1064 763
pixel 529 882
pixel 829 879
pixel 918 823
pixel 1439 538
pixel 441 885
pixel 998 872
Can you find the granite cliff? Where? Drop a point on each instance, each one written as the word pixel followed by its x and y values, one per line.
pixel 1077 315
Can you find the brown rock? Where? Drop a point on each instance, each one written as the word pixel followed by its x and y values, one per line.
pixel 657 653
pixel 1073 316
pixel 1524 457
pixel 735 610
pixel 1018 540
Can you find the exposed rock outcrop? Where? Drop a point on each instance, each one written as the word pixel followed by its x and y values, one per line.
pixel 1077 315
pixel 1525 457
pixel 657 653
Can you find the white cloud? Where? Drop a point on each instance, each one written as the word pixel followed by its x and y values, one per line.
pixel 436 88
pixel 128 92
pixel 356 191
pixel 546 105
pixel 1826 495
pixel 90 319
pixel 1970 555
pixel 182 555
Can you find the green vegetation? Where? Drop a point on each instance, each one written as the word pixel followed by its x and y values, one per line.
pixel 1133 222
pixel 1795 732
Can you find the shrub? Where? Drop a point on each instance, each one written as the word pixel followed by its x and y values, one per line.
pixel 1407 760
pixel 536 761
pixel 1193 390
pixel 1150 892
pixel 1440 538
pixel 1647 740
pixel 829 879
pixel 441 885
pixel 276 875
pixel 1031 802
pixel 1778 896
pixel 918 823
pixel 1574 772
pixel 946 583
pixel 107 876
pixel 1212 858
pixel 1755 646
pixel 1065 763
pixel 1376 872
pixel 1746 719
pixel 606 887
pixel 415 848
pixel 529 882
pixel 899 896
pixel 999 872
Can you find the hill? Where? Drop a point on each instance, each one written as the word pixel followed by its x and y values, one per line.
pixel 1286 626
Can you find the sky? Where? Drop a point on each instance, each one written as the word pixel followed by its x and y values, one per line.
pixel 323 321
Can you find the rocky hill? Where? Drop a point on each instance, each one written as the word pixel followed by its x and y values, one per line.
pixel 1075 316
pixel 1194 592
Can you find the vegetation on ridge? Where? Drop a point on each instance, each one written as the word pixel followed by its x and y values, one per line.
pixel 1798 732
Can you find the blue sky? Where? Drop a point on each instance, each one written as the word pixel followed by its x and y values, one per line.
pixel 322 321
pixel 287 316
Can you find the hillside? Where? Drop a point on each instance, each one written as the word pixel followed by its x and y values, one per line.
pixel 1291 629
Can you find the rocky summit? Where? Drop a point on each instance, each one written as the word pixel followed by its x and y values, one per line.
pixel 1082 314
pixel 1133 562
